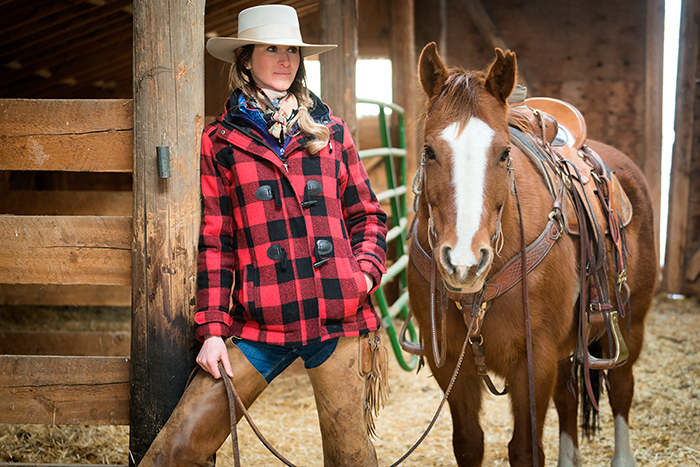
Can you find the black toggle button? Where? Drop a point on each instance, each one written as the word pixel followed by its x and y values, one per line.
pixel 313 188
pixel 324 247
pixel 275 252
pixel 264 193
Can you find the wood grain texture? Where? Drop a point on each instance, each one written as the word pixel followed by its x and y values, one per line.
pixel 64 390
pixel 65 343
pixel 168 111
pixel 63 295
pixel 65 250
pixel 67 135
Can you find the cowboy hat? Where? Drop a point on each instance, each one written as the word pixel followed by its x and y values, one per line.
pixel 264 24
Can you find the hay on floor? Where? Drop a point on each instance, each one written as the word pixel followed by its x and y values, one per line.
pixel 664 421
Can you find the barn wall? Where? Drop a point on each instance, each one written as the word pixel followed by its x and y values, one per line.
pixel 593 57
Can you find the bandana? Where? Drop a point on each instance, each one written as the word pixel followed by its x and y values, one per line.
pixel 276 113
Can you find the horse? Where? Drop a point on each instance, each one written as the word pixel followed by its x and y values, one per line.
pixel 477 195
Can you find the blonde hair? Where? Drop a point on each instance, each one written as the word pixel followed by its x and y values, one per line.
pixel 240 78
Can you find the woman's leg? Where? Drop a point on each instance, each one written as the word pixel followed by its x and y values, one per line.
pixel 340 399
pixel 200 422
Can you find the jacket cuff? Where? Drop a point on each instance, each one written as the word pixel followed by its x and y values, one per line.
pixel 371 268
pixel 214 323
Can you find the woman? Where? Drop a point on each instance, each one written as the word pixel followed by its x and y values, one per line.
pixel 292 242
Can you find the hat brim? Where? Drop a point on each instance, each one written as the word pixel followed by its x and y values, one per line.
pixel 224 48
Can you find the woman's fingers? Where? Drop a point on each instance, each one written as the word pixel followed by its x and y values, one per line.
pixel 214 350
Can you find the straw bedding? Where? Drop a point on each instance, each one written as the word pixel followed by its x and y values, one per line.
pixel 665 418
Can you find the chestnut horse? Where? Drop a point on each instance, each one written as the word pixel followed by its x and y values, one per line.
pixel 466 187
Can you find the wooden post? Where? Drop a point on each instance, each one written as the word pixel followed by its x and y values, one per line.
pixel 404 75
pixel 168 111
pixel 680 187
pixel 338 25
pixel 653 106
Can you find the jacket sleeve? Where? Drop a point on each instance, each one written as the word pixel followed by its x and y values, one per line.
pixel 215 259
pixel 364 218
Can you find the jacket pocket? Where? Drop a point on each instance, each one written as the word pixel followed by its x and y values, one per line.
pixel 344 287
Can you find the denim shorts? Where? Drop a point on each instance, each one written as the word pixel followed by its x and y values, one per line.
pixel 271 360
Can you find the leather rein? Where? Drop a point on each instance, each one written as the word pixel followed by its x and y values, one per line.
pixel 474 306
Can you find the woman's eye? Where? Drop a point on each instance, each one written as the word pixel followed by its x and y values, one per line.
pixel 293 50
pixel 272 48
pixel 429 153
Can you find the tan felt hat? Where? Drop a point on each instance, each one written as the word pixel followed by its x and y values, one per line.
pixel 265 24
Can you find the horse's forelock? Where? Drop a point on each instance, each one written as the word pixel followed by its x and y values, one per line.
pixel 458 100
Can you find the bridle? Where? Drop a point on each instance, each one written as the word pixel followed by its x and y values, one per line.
pixel 474 306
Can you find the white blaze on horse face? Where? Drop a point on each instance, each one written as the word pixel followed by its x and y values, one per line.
pixel 469 156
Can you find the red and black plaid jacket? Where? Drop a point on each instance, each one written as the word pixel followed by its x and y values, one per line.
pixel 285 239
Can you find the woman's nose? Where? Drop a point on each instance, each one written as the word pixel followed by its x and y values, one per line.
pixel 284 58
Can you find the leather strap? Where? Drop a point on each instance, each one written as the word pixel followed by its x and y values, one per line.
pixel 509 275
pixel 233 399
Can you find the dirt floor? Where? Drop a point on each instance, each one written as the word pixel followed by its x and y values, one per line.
pixel 665 418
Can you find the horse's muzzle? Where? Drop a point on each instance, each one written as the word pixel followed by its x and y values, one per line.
pixel 468 278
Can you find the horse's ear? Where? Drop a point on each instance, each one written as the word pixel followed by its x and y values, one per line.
pixel 501 78
pixel 431 70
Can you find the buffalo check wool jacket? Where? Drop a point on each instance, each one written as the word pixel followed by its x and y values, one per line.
pixel 285 235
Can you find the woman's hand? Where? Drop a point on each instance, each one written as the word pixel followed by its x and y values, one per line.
pixel 369 280
pixel 214 350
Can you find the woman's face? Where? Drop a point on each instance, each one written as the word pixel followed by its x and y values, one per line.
pixel 274 66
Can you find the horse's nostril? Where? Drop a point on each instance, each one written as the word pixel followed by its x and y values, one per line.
pixel 446 260
pixel 484 261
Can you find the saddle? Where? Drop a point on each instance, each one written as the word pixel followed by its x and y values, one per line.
pixel 565 130
pixel 552 134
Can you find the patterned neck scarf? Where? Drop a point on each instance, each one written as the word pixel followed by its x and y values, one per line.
pixel 276 112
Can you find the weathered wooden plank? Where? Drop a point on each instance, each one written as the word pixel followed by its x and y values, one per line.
pixel 66 343
pixel 653 92
pixel 66 135
pixel 168 71
pixel 94 152
pixel 405 83
pixel 681 167
pixel 338 24
pixel 60 295
pixel 65 250
pixel 66 203
pixel 64 390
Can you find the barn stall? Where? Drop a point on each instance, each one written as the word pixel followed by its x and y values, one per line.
pixel 604 58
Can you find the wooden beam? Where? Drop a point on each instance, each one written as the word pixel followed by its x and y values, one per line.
pixel 65 295
pixel 80 28
pixel 64 390
pixel 168 111
pixel 679 191
pixel 66 203
pixel 492 35
pixel 65 343
pixel 65 250
pixel 404 76
pixel 338 24
pixel 653 106
pixel 66 135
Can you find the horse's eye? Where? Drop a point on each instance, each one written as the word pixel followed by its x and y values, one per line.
pixel 505 155
pixel 429 153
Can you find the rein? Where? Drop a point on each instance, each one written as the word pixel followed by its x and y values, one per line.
pixel 235 399
pixel 516 270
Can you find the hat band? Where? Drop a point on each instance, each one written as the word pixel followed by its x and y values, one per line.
pixel 269 33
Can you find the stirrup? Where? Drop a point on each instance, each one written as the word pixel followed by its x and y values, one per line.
pixel 621 352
